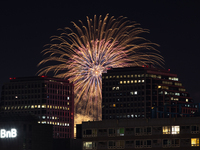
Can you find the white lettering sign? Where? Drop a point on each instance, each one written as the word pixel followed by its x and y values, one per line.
pixel 8 134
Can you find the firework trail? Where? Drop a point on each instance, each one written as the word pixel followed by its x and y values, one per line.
pixel 82 56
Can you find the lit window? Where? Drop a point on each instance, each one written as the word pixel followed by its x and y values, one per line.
pixel 68 98
pixel 128 76
pixel 159 77
pixel 43 106
pixel 120 82
pixel 110 77
pixel 16 97
pixel 35 106
pixel 186 100
pixel 159 87
pixel 135 92
pixel 52 117
pixel 124 82
pixel 128 81
pixel 132 75
pixel 175 99
pixel 175 129
pixel 131 93
pixel 38 106
pixel 120 132
pixel 117 76
pixel 135 75
pixel 32 106
pixel 178 94
pixel 114 105
pixel 43 122
pixel 117 88
pixel 166 129
pixel 120 76
pixel 194 141
pixel 135 81
pixel 55 107
pixel 131 81
pixel 106 77
pixel 25 107
pixel 43 117
pixel 142 80
pixel 124 76
pixel 113 88
pixel 139 81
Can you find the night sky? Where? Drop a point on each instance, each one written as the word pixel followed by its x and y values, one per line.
pixel 175 25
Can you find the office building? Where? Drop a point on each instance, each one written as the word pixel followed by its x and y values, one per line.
pixel 144 92
pixel 50 99
pixel 22 132
pixel 144 134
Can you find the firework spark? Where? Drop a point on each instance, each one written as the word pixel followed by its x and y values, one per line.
pixel 83 56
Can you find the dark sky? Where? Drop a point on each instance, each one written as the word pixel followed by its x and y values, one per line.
pixel 175 25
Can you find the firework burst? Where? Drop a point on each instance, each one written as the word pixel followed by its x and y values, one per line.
pixel 82 56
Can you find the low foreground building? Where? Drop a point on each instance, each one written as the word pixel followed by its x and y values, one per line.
pixel 157 134
pixel 22 132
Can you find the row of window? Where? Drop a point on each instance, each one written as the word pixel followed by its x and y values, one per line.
pixel 131 81
pixel 36 85
pixel 127 99
pixel 139 75
pixel 36 106
pixel 19 97
pixel 141 143
pixel 129 116
pixel 139 131
pixel 125 76
pixel 54 123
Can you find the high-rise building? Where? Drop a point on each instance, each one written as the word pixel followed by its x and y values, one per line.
pixel 144 92
pixel 50 99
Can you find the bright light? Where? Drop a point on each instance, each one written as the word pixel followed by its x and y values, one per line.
pixel 8 134
pixel 102 44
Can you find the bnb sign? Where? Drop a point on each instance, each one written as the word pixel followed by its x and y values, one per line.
pixel 8 134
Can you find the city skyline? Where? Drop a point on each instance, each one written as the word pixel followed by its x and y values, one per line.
pixel 27 27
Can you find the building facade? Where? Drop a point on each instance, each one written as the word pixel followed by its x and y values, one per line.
pixel 144 134
pixel 144 92
pixel 22 132
pixel 50 99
